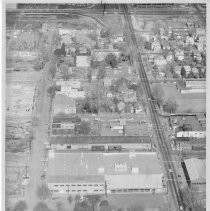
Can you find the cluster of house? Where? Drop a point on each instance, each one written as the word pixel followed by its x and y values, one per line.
pixel 175 41
pixel 64 105
pixel 189 132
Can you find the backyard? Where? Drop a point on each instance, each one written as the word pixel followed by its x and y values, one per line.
pixel 192 102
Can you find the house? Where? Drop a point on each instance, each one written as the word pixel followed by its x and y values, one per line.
pixel 187 126
pixel 164 37
pixel 200 46
pixel 190 40
pixel 102 173
pixel 146 36
pixel 107 82
pixel 156 46
pixel 188 144
pixel 187 69
pixel 170 57
pixel 159 61
pixel 64 104
pixel 130 96
pixel 109 95
pixel 197 55
pixel 63 31
pixel 162 31
pixel 121 106
pixel 62 128
pixel 200 32
pixel 116 126
pixel 83 61
pixel 195 70
pixel 179 54
pixel 71 92
pixel 67 39
pixel 65 85
pixel 100 54
pixel 196 171
pixel 119 38
pixel 177 70
pixel 165 45
pixel 138 108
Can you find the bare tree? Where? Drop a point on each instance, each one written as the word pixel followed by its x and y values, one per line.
pixel 20 206
pixel 43 192
pixel 170 106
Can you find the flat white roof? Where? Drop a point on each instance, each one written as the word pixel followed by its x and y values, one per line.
pixel 72 166
pixel 196 169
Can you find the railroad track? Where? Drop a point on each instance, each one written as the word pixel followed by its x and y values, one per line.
pixel 161 142
pixel 153 11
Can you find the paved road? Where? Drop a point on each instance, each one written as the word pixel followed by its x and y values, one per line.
pixel 162 145
pixel 40 136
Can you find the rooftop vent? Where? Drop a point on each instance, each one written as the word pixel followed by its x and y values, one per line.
pixel 120 167
pixel 135 170
pixel 132 155
pixel 101 170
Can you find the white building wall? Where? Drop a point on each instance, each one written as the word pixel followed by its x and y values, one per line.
pixel 193 134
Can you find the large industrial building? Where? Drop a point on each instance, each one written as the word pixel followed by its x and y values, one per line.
pixel 196 171
pixel 104 173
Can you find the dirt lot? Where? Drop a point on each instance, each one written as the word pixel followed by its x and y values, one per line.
pixel 192 102
pixel 141 200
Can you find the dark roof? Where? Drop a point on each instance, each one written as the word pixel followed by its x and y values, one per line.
pixel 62 131
pixel 100 139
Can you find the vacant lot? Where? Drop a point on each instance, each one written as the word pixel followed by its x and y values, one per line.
pixel 192 102
pixel 139 200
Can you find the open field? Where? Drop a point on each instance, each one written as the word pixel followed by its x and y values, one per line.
pixel 192 102
pixel 139 200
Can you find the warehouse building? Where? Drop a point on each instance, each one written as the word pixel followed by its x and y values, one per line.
pixel 196 171
pixel 105 143
pixel 104 173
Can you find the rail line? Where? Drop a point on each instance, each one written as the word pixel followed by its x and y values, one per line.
pixel 161 142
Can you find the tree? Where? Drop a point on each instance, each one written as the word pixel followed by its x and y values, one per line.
pixel 190 199
pixel 104 203
pixel 93 199
pixel 183 72
pixel 83 128
pixel 69 199
pixel 135 208
pixel 52 69
pixel 111 59
pixel 41 206
pixel 59 206
pixel 170 106
pixel 148 45
pixel 20 206
pixel 105 33
pixel 190 75
pixel 158 94
pixel 64 71
pixel 51 91
pixel 43 192
pixel 101 73
pixel 77 198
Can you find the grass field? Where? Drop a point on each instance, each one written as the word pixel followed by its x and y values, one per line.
pixel 192 102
